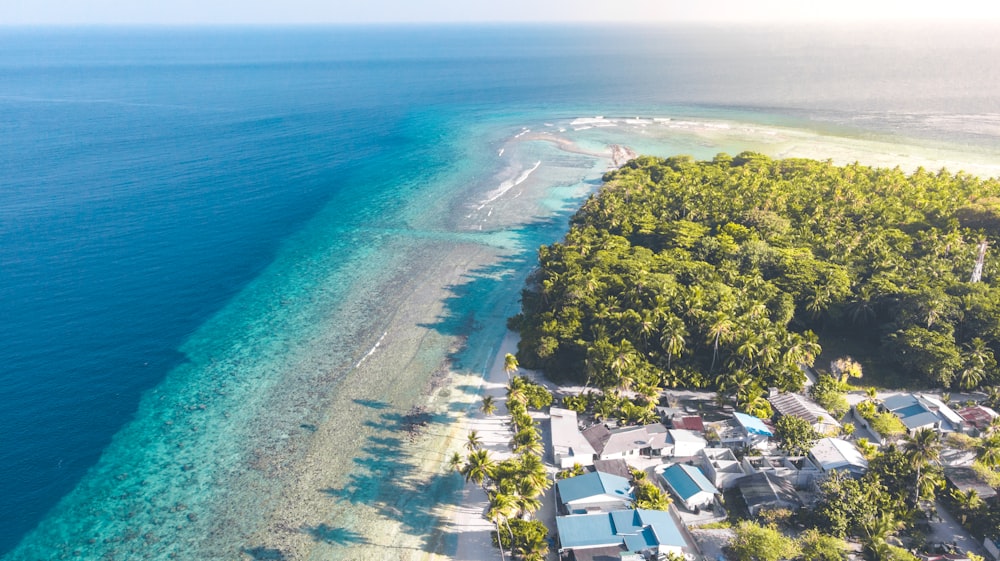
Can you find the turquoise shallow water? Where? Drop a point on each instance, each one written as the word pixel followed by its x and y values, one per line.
pixel 228 252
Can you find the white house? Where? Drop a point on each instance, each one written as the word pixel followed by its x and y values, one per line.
pixel 568 444
pixel 594 492
pixel 627 441
pixel 686 443
pixel 836 454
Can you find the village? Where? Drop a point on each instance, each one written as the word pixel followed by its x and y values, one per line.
pixel 718 465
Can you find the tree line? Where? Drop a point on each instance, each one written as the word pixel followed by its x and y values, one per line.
pixel 717 274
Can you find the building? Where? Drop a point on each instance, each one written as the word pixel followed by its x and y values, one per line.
pixel 977 418
pixel 800 471
pixel 750 431
pixel 922 412
pixel 765 490
pixel 594 492
pixel 626 442
pixel 721 467
pixel 636 531
pixel 795 405
pixel 692 423
pixel 830 454
pixel 690 486
pixel 686 443
pixel 568 444
pixel 965 479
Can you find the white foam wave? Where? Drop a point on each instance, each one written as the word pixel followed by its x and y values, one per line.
pixel 372 350
pixel 508 185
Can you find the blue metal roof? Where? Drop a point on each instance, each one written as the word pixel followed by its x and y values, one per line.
pixel 899 401
pixel 687 481
pixel 586 530
pixel 592 485
pixel 753 425
pixel 663 526
pixel 637 529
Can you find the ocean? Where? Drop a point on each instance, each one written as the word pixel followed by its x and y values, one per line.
pixel 233 261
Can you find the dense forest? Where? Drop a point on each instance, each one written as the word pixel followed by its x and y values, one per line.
pixel 719 274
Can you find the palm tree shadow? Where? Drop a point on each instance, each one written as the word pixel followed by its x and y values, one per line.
pixel 337 536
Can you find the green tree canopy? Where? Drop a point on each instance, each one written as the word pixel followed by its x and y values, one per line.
pixel 685 273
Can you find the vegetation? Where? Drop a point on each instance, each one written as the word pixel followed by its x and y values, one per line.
pixel 796 435
pixel 514 486
pixel 831 394
pixel 754 542
pixel 716 274
pixel 650 497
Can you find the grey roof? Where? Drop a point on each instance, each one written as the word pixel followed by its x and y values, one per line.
pixel 795 405
pixel 835 453
pixel 965 478
pixel 764 489
pixel 566 437
pixel 616 466
pixel 606 441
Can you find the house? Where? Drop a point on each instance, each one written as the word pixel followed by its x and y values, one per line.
pixel 800 471
pixel 831 454
pixel 922 412
pixel 765 490
pixel 594 492
pixel 615 467
pixel 977 417
pixel 721 467
pixel 690 486
pixel 568 444
pixel 692 423
pixel 686 443
pixel 964 479
pixel 795 405
pixel 625 442
pixel 746 431
pixel 635 531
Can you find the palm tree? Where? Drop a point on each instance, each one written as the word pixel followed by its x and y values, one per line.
pixel 988 450
pixel 922 448
pixel 535 549
pixel 510 364
pixel 720 330
pixel 479 467
pixel 968 502
pixel 488 407
pixel 532 470
pixel 672 337
pixel 473 442
pixel 502 507
pixel 455 462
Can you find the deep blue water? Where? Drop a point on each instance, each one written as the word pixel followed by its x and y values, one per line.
pixel 147 175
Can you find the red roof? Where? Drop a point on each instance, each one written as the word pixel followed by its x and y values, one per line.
pixel 689 422
pixel 977 416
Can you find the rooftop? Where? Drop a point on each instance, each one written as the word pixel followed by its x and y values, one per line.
pixel 607 442
pixel 978 416
pixel 835 453
pixel 795 405
pixel 594 484
pixel 687 481
pixel 566 437
pixel 638 529
pixel 763 488
pixel 753 425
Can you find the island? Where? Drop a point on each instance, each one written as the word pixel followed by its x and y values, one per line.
pixel 756 359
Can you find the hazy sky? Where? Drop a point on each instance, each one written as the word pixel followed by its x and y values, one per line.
pixel 15 12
